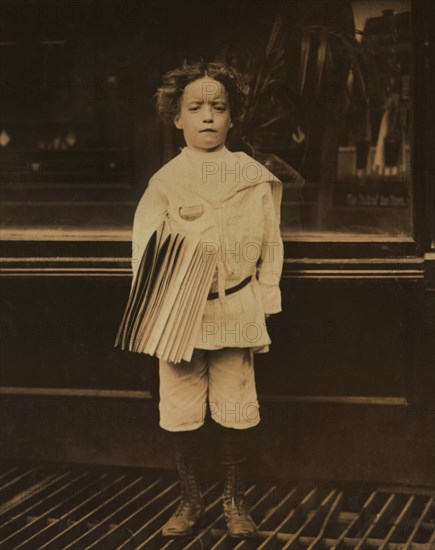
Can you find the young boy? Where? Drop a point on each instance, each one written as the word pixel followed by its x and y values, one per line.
pixel 226 198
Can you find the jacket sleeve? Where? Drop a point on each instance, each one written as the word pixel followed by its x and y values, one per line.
pixel 272 253
pixel 150 212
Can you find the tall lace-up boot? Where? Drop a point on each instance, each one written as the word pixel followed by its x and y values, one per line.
pixel 190 511
pixel 234 456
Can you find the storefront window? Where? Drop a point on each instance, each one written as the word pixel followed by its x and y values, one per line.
pixel 66 100
pixel 349 131
pixel 79 137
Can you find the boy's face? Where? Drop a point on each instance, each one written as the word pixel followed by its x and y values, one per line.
pixel 204 115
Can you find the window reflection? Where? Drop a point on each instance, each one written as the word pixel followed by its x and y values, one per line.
pixel 366 189
pixel 61 122
pixel 79 123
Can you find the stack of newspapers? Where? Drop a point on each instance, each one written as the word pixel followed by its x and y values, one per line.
pixel 168 296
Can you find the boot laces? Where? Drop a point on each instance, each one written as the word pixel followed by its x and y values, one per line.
pixel 183 506
pixel 234 494
pixel 191 495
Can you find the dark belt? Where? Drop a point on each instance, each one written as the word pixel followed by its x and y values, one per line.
pixel 214 295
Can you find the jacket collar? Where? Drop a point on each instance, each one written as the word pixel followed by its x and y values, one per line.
pixel 247 171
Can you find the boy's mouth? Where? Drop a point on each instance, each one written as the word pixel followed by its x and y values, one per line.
pixel 207 130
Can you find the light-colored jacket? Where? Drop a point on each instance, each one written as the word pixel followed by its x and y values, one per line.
pixel 233 202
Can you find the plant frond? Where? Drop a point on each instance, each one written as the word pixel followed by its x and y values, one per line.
pixel 355 59
pixel 321 55
pixel 277 24
pixel 272 120
pixel 305 51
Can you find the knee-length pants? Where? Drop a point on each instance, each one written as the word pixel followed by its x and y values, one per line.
pixel 223 380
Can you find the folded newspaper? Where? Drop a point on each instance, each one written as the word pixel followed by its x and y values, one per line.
pixel 168 296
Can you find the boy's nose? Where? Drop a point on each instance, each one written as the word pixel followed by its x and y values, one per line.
pixel 208 114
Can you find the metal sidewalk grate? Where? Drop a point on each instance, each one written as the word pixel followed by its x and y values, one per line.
pixel 61 507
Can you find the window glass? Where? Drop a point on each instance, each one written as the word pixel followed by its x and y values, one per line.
pixel 354 151
pixel 79 138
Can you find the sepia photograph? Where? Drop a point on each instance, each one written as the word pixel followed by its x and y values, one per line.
pixel 217 274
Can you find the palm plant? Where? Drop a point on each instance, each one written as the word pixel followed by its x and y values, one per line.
pixel 314 85
pixel 335 76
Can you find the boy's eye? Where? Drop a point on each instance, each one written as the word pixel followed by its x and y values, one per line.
pixel 219 108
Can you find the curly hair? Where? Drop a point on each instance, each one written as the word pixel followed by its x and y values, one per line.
pixel 168 97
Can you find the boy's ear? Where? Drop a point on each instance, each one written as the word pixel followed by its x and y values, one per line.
pixel 231 125
pixel 177 122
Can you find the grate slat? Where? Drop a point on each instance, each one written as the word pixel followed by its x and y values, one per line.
pixel 399 523
pixel 77 508
pixel 100 528
pixel 424 515
pixel 16 483
pixel 17 523
pixel 89 524
pixel 295 515
pixel 148 514
pixel 274 516
pixel 63 523
pixel 7 474
pixel 312 521
pixel 379 521
pixel 55 518
pixel 358 519
pixel 27 498
pixel 333 512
